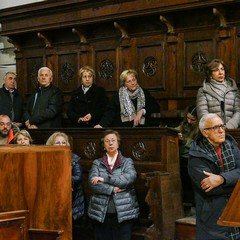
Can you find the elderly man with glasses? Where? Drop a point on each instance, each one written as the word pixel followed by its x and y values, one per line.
pixel 214 168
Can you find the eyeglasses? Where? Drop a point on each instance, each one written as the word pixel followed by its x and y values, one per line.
pixel 110 141
pixel 216 128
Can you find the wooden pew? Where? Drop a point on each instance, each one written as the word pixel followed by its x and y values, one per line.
pixel 38 179
pixel 153 150
pixel 14 225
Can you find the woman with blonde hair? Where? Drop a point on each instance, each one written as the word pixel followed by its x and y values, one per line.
pixel 88 101
pixel 61 139
pixel 23 137
pixel 131 105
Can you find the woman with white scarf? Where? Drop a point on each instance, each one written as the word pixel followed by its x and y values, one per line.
pixel 219 94
pixel 130 106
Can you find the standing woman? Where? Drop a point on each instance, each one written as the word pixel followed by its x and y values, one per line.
pixel 219 94
pixel 113 205
pixel 130 106
pixel 88 102
pixel 60 138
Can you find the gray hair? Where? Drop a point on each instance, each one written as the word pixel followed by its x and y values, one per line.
pixel 45 68
pixel 205 118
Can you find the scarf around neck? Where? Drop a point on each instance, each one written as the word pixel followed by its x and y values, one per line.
pixel 227 155
pixel 219 88
pixel 127 108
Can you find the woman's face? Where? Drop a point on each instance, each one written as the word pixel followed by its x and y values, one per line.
pixel 131 82
pixel 87 79
pixel 218 73
pixel 111 143
pixel 191 119
pixel 60 140
pixel 23 140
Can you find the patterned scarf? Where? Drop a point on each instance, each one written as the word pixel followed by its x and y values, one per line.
pixel 229 164
pixel 128 111
pixel 227 155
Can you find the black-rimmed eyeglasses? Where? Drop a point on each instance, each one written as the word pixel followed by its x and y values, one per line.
pixel 216 128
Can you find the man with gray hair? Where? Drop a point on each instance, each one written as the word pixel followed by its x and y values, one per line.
pixel 214 168
pixel 44 108
pixel 11 101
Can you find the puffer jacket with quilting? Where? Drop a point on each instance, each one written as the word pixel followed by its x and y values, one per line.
pixel 123 176
pixel 228 109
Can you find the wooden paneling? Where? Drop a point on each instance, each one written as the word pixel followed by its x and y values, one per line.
pixel 38 179
pixel 167 42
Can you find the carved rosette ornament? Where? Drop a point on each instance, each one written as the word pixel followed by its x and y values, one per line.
pixel 139 151
pixel 106 69
pixel 67 73
pixel 150 66
pixel 199 61
pixel 90 149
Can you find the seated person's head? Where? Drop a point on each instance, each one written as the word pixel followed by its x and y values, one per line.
pixel 23 137
pixel 58 138
pixel 128 79
pixel 191 115
pixel 5 125
pixel 86 75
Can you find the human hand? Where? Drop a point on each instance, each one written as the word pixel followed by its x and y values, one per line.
pixel 96 180
pixel 118 189
pixel 211 181
pixel 97 126
pixel 32 126
pixel 137 118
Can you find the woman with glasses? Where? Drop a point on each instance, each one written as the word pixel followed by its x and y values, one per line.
pixel 113 205
pixel 219 94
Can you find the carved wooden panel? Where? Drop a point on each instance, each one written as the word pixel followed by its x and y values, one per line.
pixel 106 68
pixel 150 62
pixel 198 51
pixel 68 72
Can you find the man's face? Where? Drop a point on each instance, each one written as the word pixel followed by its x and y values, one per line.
pixel 214 131
pixel 5 126
pixel 45 78
pixel 10 81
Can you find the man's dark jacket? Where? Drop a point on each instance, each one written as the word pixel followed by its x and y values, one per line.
pixel 48 110
pixel 6 104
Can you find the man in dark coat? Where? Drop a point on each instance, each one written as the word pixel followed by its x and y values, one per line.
pixel 44 108
pixel 214 168
pixel 88 102
pixel 11 102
